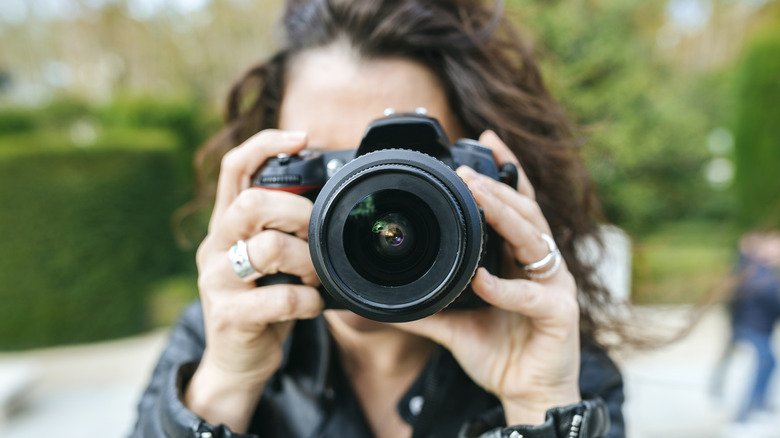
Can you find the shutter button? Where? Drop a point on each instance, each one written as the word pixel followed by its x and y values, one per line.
pixel 283 160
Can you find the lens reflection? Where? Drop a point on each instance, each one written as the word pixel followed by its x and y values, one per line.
pixel 391 237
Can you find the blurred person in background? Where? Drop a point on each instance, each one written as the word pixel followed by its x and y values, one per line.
pixel 754 310
pixel 267 361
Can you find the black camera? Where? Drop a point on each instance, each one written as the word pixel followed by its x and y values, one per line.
pixel 395 235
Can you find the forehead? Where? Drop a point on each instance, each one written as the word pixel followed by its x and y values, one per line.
pixel 333 95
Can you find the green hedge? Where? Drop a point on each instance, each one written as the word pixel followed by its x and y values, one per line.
pixel 757 132
pixel 14 120
pixel 86 233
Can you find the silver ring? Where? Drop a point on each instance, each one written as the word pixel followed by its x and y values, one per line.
pixel 548 265
pixel 239 259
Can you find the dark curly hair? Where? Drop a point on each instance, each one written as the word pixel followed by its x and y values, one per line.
pixel 492 81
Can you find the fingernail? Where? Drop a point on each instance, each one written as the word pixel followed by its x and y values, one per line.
pixel 488 135
pixel 485 277
pixel 466 172
pixel 294 136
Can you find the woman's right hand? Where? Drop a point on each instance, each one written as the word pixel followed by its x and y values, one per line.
pixel 245 324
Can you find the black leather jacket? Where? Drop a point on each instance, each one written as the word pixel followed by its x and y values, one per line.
pixel 310 397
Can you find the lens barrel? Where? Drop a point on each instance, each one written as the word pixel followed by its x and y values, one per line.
pixel 395 235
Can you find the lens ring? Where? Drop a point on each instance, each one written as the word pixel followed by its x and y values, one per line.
pixel 404 290
pixel 461 235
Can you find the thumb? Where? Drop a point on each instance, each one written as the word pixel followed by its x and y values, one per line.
pixel 437 327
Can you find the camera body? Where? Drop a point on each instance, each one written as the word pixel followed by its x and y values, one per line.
pixel 395 235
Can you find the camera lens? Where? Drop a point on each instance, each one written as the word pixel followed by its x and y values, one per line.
pixel 395 235
pixel 391 237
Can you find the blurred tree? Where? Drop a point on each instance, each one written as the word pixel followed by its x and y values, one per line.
pixel 645 119
pixel 757 126
pixel 101 49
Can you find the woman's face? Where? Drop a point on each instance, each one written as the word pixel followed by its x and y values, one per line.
pixel 333 95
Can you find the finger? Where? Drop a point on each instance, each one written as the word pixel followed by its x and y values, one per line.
pixel 526 297
pixel 523 236
pixel 272 252
pixel 281 302
pixel 241 162
pixel 503 154
pixel 257 209
pixel 501 151
pixel 525 205
pixel 439 328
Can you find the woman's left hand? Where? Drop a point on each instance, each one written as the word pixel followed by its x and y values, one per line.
pixel 524 348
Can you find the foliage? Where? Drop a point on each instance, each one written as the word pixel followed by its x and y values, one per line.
pixel 87 232
pixel 189 118
pixel 168 296
pixel 16 120
pixel 757 129
pixel 88 194
pixel 646 125
pixel 684 262
pixel 101 49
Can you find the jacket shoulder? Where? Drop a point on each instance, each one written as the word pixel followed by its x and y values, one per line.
pixel 600 377
pixel 160 410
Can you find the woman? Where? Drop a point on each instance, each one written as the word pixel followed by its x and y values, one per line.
pixel 268 362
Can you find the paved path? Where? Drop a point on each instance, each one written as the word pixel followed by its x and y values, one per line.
pixel 667 391
pixel 87 391
pixel 90 391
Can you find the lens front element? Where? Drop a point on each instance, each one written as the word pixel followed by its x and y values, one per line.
pixel 391 237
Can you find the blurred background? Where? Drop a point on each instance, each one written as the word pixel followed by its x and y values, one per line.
pixel 102 103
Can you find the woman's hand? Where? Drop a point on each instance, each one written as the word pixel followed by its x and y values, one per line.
pixel 524 348
pixel 246 325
